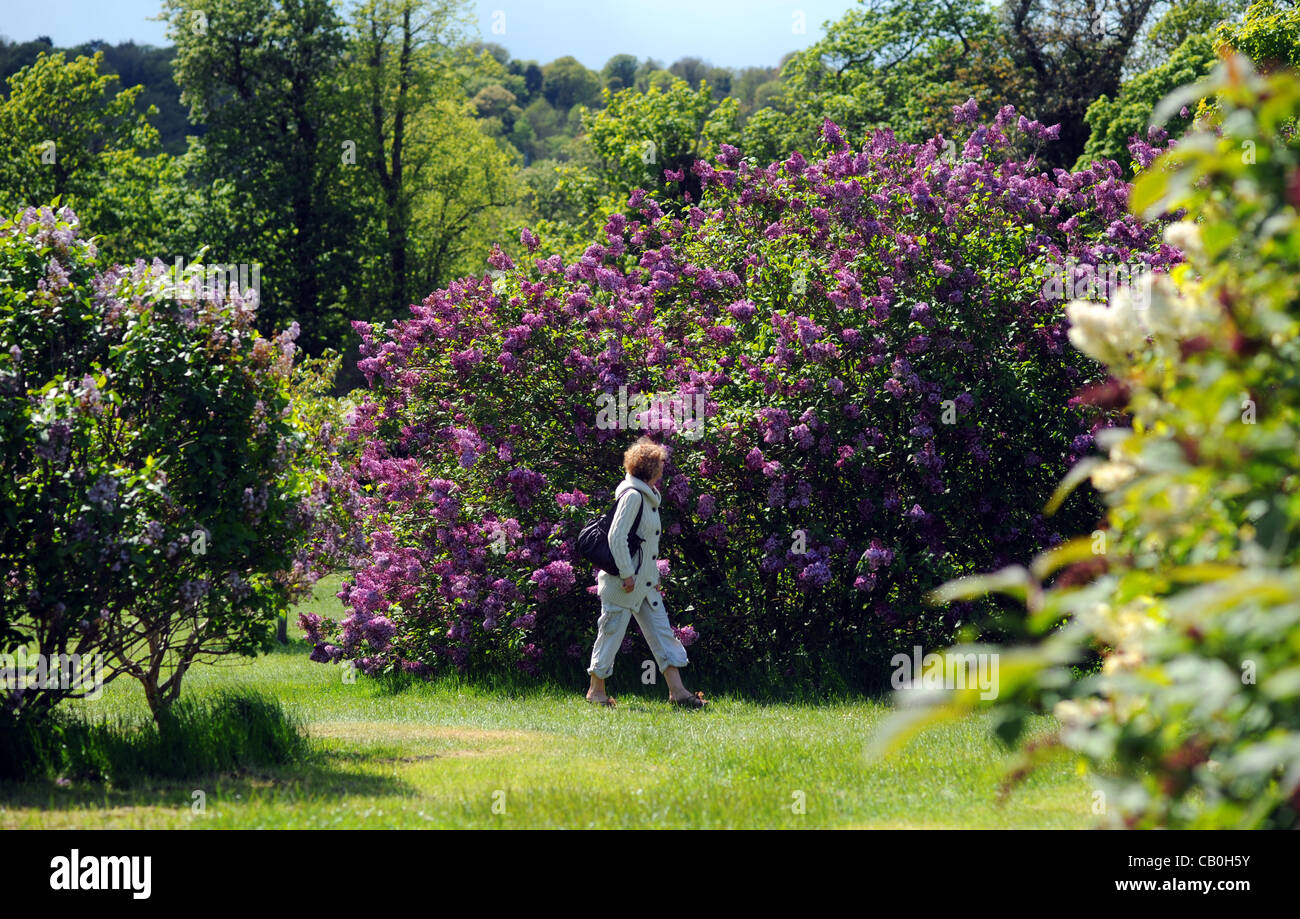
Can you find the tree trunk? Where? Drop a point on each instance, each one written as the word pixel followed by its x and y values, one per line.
pixel 154 698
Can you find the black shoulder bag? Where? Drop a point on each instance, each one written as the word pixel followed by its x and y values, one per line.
pixel 593 541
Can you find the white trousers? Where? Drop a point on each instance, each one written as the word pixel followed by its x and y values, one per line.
pixel 653 620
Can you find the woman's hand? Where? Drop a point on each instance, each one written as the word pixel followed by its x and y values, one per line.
pixel 628 584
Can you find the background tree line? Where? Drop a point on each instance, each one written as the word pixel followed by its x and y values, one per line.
pixel 366 153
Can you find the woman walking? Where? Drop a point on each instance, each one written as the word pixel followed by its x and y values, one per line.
pixel 634 591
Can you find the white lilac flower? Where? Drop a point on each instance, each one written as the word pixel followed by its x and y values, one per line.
pixel 1072 713
pixel 1092 330
pixel 1111 332
pixel 1174 316
pixel 1109 476
pixel 1185 236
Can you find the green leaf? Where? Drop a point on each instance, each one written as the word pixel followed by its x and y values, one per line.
pixel 1014 581
pixel 1072 480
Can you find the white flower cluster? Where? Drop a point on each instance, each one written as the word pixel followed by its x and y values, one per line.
pixel 1152 311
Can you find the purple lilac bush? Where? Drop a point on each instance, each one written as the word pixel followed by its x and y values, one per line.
pixel 886 395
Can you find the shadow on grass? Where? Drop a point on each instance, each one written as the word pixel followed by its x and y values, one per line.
pixel 627 683
pixel 223 733
pixel 314 780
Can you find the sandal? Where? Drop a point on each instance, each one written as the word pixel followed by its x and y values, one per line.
pixel 695 701
pixel 607 702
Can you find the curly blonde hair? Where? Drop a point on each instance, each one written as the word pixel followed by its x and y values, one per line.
pixel 644 459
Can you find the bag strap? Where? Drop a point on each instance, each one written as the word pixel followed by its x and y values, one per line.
pixel 636 525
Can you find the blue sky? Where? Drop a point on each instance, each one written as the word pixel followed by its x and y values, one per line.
pixel 732 33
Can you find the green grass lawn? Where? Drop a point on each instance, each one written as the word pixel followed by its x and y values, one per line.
pixel 448 755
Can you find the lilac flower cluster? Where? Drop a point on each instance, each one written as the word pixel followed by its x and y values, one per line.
pixel 156 463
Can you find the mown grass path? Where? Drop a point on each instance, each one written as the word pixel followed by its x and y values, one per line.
pixel 449 755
